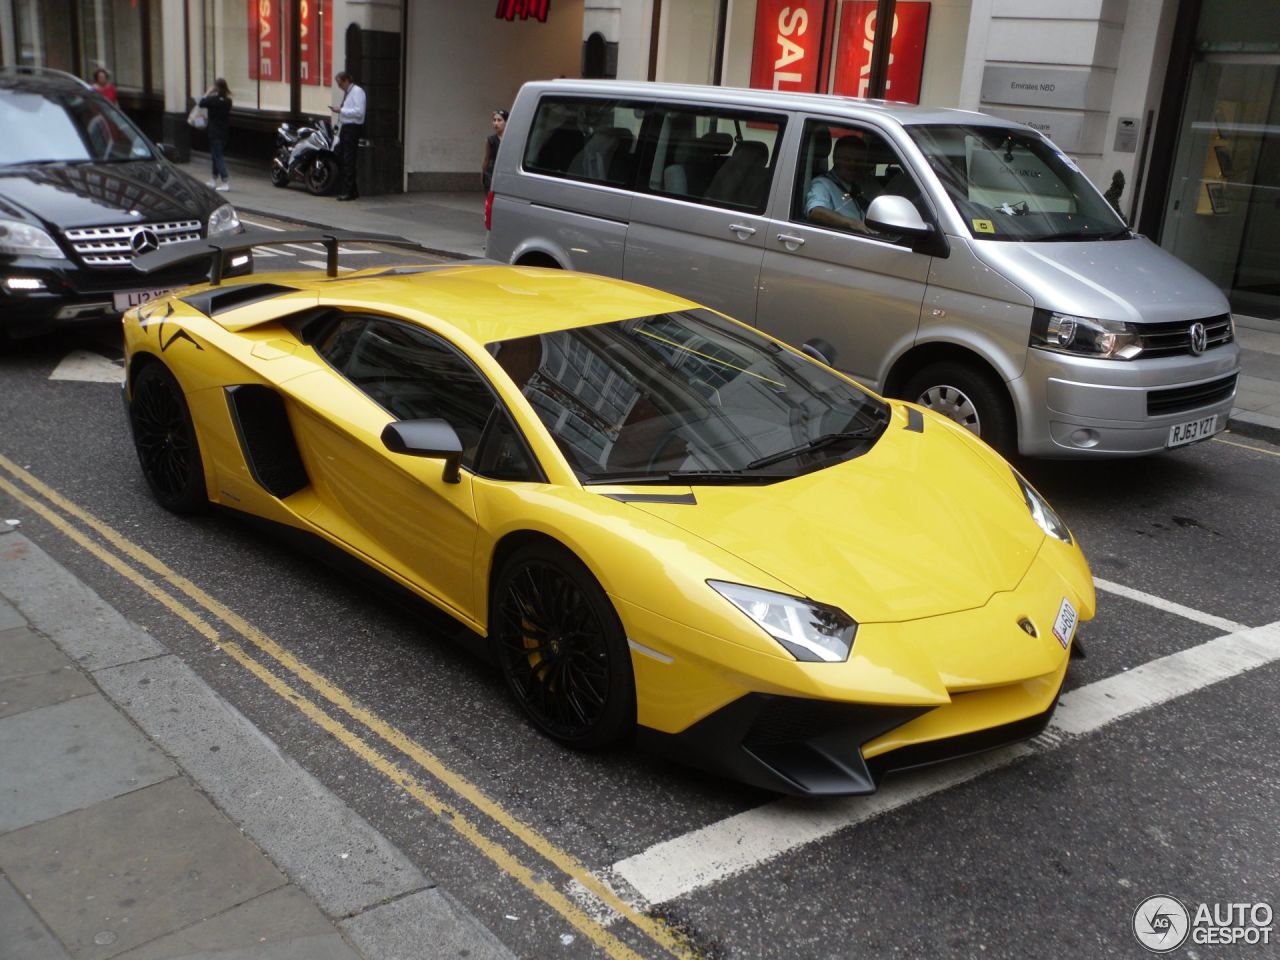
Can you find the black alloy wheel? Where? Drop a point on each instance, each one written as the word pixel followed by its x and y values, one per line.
pixel 165 440
pixel 562 648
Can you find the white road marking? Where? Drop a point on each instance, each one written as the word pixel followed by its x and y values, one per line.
pixel 88 367
pixel 1208 619
pixel 307 248
pixel 322 265
pixel 255 223
pixel 719 850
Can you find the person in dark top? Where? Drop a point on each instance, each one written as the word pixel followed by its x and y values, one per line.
pixel 217 100
pixel 102 83
pixel 491 145
pixel 351 114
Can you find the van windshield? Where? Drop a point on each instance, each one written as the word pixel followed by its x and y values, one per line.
pixel 1014 185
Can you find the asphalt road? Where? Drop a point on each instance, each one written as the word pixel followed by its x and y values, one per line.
pixel 1162 782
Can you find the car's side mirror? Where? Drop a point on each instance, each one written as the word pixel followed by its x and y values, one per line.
pixel 430 439
pixel 894 214
pixel 170 153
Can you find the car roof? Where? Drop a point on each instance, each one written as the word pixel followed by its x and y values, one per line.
pixel 484 303
pixel 41 80
pixel 904 113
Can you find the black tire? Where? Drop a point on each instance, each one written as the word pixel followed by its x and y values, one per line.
pixel 322 176
pixel 165 440
pixel 279 175
pixel 562 648
pixel 970 397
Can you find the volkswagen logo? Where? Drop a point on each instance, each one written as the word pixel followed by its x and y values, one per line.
pixel 1199 338
pixel 143 241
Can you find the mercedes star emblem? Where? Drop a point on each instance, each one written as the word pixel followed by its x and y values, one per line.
pixel 1199 338
pixel 143 241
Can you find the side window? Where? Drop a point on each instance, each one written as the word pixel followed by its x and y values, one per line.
pixel 592 140
pixel 841 170
pixel 721 158
pixel 411 374
pixel 503 453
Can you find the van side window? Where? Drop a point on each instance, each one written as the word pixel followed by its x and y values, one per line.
pixel 841 170
pixel 721 158
pixel 585 139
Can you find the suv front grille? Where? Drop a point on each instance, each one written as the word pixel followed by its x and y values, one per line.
pixel 1174 339
pixel 1177 399
pixel 113 247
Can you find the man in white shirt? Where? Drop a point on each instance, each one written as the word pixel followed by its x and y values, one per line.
pixel 351 117
pixel 836 198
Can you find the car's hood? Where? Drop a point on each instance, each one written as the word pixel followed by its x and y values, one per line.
pixel 923 524
pixel 97 194
pixel 1127 280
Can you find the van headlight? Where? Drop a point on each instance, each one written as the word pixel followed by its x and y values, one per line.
pixel 18 239
pixel 224 220
pixel 1084 337
pixel 808 631
pixel 1045 516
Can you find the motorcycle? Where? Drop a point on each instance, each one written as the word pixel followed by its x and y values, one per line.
pixel 305 154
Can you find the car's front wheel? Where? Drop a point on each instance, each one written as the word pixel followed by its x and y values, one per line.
pixel 562 648
pixel 165 440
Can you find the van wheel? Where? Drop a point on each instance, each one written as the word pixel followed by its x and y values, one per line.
pixel 969 397
pixel 538 260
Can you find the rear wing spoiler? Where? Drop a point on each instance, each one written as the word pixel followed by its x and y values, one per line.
pixel 228 253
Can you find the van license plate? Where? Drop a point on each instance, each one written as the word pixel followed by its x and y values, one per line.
pixel 132 298
pixel 1192 430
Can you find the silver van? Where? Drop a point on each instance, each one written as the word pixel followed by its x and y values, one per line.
pixel 942 256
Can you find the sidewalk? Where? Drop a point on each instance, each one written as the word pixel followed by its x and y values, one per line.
pixel 143 818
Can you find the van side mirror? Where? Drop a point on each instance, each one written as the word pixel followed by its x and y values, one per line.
pixel 430 439
pixel 894 214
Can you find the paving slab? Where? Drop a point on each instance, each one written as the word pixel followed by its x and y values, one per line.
pixel 69 755
pixel 126 871
pixel 281 925
pixel 325 846
pixel 34 673
pixel 23 936
pixel 9 616
pixel 85 626
pixel 402 930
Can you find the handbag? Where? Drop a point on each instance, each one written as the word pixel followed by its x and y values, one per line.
pixel 198 117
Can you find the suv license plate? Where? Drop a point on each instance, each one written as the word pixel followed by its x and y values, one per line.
pixel 1192 430
pixel 1065 624
pixel 133 298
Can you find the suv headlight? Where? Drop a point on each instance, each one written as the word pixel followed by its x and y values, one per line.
pixel 22 239
pixel 1081 336
pixel 1045 516
pixel 224 220
pixel 807 630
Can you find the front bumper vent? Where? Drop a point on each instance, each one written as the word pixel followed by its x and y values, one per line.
pixel 1178 399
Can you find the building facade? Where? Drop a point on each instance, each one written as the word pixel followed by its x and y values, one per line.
pixel 1172 106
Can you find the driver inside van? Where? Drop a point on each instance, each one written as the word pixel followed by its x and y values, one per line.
pixel 836 198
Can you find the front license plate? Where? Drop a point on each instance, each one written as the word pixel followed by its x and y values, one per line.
pixel 1065 625
pixel 133 298
pixel 1192 430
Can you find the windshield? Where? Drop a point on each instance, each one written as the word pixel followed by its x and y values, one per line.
pixel 66 128
pixel 688 397
pixel 1011 185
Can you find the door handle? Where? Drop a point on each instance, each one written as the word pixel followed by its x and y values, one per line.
pixel 791 240
pixel 742 230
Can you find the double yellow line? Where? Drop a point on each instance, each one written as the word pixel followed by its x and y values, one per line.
pixel 288 678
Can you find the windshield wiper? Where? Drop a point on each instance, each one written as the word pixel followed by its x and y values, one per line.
pixel 681 477
pixel 1082 235
pixel 817 443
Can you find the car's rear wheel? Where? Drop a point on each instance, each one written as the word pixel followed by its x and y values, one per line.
pixel 165 440
pixel 969 397
pixel 562 647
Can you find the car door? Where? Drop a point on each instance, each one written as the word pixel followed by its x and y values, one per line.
pixel 397 509
pixel 698 221
pixel 857 288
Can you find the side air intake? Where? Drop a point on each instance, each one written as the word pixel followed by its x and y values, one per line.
pixel 266 439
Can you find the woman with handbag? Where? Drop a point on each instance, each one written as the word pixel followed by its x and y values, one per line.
pixel 217 101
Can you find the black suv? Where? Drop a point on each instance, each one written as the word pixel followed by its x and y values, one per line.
pixel 83 192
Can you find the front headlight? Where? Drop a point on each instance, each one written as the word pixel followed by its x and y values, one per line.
pixel 1081 336
pixel 224 220
pixel 1045 516
pixel 809 631
pixel 20 239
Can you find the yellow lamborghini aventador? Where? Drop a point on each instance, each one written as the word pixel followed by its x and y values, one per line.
pixel 665 524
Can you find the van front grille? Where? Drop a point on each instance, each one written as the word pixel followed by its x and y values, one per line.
pixel 1174 339
pixel 1177 399
pixel 116 246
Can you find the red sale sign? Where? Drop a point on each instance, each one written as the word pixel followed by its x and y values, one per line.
pixel 266 40
pixel 856 36
pixel 787 42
